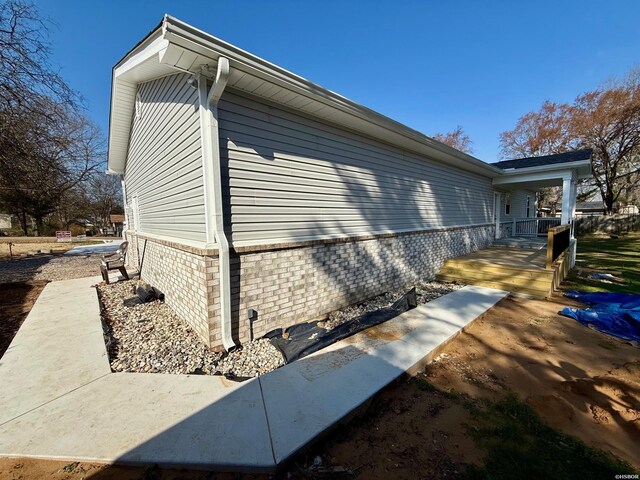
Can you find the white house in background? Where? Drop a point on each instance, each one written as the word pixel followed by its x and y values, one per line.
pixel 5 221
pixel 257 199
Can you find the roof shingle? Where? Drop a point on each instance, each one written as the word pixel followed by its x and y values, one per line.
pixel 574 156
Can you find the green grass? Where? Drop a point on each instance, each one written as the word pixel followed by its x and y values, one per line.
pixel 618 256
pixel 519 444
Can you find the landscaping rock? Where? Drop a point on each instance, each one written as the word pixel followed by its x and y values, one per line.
pixel 150 337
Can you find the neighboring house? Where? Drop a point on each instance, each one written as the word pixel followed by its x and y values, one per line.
pixel 5 221
pixel 117 224
pixel 250 189
pixel 596 207
pixel 593 207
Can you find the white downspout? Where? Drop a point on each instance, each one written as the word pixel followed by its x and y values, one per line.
pixel 213 189
pixel 125 205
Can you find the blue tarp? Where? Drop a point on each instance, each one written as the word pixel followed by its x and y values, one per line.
pixel 617 314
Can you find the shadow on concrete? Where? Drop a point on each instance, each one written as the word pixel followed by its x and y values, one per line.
pixel 227 436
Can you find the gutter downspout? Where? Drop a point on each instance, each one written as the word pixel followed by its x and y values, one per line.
pixel 125 226
pixel 213 189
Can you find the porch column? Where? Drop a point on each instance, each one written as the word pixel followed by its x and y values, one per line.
pixel 569 193
pixel 567 190
pixel 496 203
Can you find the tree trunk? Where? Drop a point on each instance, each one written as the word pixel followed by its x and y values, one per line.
pixel 608 202
pixel 39 225
pixel 22 217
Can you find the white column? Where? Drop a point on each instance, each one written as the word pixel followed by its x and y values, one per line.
pixel 574 193
pixel 573 243
pixel 496 204
pixel 566 200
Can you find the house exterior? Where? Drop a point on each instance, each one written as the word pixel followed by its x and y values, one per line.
pixel 5 221
pixel 256 199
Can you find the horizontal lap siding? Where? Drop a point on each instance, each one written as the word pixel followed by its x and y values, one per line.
pixel 164 167
pixel 291 178
pixel 518 200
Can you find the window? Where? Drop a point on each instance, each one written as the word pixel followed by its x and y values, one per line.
pixel 528 206
pixel 507 204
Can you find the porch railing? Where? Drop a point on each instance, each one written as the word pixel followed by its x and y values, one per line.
pixel 533 227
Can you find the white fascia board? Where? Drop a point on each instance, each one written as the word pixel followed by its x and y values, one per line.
pixel 150 47
pixel 545 172
pixel 123 90
pixel 547 168
pixel 532 177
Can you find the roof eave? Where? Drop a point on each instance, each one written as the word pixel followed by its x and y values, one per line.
pixel 186 46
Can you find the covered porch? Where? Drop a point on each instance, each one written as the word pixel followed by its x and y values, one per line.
pixel 530 255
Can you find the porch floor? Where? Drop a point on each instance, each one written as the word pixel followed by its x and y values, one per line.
pixel 513 268
pixel 522 242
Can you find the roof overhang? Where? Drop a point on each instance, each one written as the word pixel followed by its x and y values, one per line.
pixel 175 46
pixel 532 178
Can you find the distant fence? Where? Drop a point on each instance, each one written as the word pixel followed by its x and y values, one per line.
pixel 616 224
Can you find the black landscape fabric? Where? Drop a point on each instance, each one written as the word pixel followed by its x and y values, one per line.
pixel 301 340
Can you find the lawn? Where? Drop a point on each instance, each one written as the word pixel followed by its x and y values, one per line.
pixel 617 256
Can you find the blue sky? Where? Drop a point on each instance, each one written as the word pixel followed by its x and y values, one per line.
pixel 431 65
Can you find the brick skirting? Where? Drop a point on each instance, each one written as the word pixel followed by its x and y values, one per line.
pixel 299 283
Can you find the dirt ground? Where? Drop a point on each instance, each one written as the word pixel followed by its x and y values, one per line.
pixel 581 382
pixel 18 249
pixel 16 300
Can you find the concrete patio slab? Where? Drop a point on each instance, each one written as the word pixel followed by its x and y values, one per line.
pixel 59 348
pixel 306 397
pixel 66 404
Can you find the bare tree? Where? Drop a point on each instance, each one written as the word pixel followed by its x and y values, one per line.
pixel 41 160
pixel 606 120
pixel 47 145
pixel 104 198
pixel 545 132
pixel 25 67
pixel 456 139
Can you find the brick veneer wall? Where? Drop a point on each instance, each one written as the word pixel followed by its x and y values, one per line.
pixel 291 285
pixel 189 281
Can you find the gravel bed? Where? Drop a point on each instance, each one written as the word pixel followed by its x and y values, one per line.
pixel 151 338
pixel 425 291
pixel 49 267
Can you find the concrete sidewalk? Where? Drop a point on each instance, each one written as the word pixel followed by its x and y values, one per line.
pixel 66 404
pixel 104 248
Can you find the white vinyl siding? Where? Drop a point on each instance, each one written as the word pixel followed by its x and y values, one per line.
pixel 294 178
pixel 164 169
pixel 518 201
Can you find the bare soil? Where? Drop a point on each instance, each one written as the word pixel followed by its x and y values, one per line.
pixel 29 469
pixel 579 381
pixel 16 300
pixel 23 248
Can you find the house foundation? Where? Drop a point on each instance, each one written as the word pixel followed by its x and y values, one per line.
pixel 295 282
